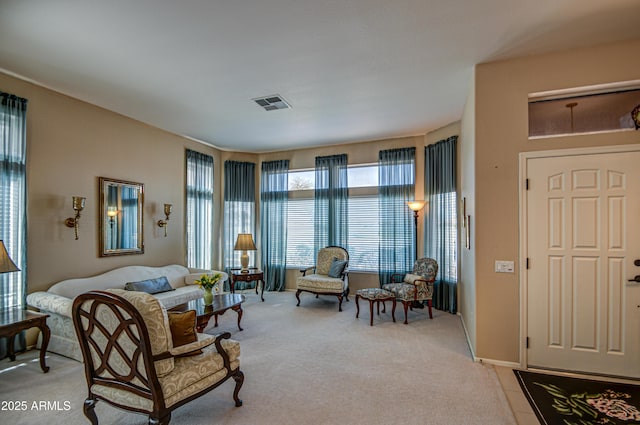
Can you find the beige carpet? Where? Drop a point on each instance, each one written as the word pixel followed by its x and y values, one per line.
pixel 303 365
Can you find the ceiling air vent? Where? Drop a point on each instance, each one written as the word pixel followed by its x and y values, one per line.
pixel 272 103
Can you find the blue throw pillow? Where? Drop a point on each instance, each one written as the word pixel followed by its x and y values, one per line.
pixel 150 286
pixel 337 267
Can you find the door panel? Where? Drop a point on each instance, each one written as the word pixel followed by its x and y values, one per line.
pixel 583 236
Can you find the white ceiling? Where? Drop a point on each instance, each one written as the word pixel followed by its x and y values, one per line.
pixel 353 70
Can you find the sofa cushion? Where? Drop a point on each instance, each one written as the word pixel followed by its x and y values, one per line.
pixel 411 278
pixel 150 286
pixel 337 267
pixel 183 329
pixel 320 283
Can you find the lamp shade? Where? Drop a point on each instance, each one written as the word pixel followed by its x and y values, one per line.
pixel 245 242
pixel 6 264
pixel 416 205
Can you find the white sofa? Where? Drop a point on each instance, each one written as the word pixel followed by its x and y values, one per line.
pixel 58 299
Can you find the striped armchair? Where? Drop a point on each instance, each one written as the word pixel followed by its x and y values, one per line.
pixel 131 362
pixel 416 286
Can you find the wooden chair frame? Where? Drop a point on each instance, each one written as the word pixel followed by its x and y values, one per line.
pixel 149 387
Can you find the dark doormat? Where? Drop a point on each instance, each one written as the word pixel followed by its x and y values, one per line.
pixel 572 401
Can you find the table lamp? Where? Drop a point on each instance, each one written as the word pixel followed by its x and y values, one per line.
pixel 6 263
pixel 244 243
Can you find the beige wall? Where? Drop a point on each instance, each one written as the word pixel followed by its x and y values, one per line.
pixel 501 90
pixel 69 145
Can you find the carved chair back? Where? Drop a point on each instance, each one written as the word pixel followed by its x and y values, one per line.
pixel 118 346
pixel 326 256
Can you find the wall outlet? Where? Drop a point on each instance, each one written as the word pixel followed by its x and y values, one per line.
pixel 504 266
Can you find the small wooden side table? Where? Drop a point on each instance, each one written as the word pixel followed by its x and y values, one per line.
pixel 252 275
pixel 15 320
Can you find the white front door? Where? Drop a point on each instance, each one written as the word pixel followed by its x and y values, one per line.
pixel 583 234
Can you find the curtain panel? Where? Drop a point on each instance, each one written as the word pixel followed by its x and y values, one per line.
pixel 274 199
pixel 239 209
pixel 13 202
pixel 396 185
pixel 199 210
pixel 441 236
pixel 331 202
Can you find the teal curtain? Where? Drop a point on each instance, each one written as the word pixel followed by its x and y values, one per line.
pixel 13 202
pixel 331 202
pixel 129 228
pixel 199 210
pixel 239 210
pixel 396 185
pixel 274 198
pixel 441 237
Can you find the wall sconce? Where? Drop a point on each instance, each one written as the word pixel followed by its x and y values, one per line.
pixel 78 205
pixel 244 243
pixel 165 223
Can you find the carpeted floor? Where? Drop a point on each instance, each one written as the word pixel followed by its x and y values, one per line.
pixel 303 365
pixel 559 399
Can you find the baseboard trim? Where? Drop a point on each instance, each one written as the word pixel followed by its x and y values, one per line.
pixel 466 336
pixel 512 365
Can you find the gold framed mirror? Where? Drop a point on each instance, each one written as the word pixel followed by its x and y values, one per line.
pixel 121 222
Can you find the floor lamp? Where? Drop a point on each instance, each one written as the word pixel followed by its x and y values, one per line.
pixel 416 206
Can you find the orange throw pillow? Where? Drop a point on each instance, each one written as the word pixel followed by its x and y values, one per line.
pixel 183 329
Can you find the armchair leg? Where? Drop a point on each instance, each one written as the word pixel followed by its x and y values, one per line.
pixel 239 378
pixel 339 302
pixel 298 297
pixel 89 412
pixel 405 304
pixel 429 304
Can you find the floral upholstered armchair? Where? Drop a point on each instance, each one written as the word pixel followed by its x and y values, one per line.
pixel 415 287
pixel 135 360
pixel 328 277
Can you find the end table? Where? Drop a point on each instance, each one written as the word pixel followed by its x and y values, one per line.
pixel 15 320
pixel 252 275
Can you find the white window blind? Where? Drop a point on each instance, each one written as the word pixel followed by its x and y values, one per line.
pixel 300 233
pixel 363 233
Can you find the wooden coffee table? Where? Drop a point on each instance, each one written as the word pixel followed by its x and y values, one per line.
pixel 221 303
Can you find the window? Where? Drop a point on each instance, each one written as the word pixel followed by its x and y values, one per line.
pixel 363 218
pixel 300 232
pixel 364 236
pixel 582 112
pixel 239 208
pixel 13 199
pixel 199 209
pixel 302 180
pixel 444 238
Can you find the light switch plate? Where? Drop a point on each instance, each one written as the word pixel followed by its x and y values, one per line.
pixel 504 266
